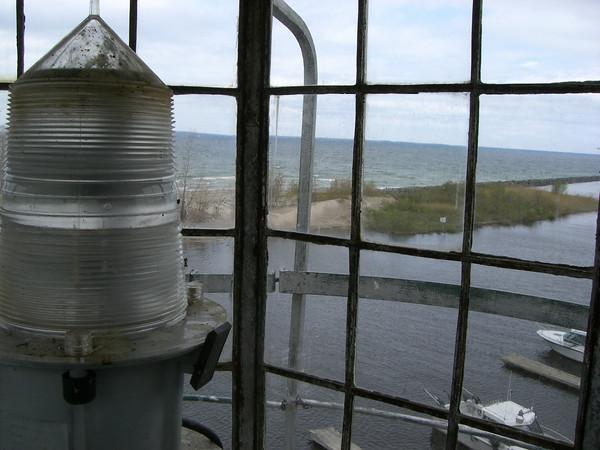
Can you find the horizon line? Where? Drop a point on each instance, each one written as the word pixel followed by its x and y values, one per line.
pixel 487 147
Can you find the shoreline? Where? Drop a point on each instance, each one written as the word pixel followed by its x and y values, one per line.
pixel 431 210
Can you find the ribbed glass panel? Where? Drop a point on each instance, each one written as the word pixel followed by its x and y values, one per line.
pixel 90 234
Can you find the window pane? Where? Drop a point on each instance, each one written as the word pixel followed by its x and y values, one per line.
pixel 210 261
pixel 333 29
pixel 540 41
pixel 380 426
pixel 534 196
pixel 188 42
pixel 211 406
pixel 315 408
pixel 332 164
pixel 527 314
pixel 414 169
pixel 205 147
pixel 45 26
pixel 8 42
pixel 306 315
pixel 411 41
pixel 469 437
pixel 406 324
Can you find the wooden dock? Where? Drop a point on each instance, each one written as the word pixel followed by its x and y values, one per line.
pixel 329 439
pixel 520 362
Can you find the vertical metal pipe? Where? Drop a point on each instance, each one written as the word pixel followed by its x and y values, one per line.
pixel 290 19
pixel 20 8
pixel 94 7
pixel 355 224
pixel 460 347
pixel 250 263
pixel 133 23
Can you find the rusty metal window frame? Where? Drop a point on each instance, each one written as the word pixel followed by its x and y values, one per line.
pixel 474 88
pixel 250 232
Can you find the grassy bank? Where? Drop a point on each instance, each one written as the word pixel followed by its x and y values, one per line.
pixel 408 211
pixel 439 208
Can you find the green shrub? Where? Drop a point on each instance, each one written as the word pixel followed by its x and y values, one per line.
pixel 440 208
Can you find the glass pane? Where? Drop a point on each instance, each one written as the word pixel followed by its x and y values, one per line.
pixel 210 262
pixel 531 326
pixel 379 426
pixel 537 177
pixel 406 324
pixel 188 42
pixel 332 26
pixel 205 148
pixel 540 41
pixel 414 169
pixel 211 406
pixel 8 42
pixel 45 26
pixel 330 182
pixel 411 41
pixel 300 418
pixel 469 437
pixel 306 315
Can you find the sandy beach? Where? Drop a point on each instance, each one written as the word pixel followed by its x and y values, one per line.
pixel 216 208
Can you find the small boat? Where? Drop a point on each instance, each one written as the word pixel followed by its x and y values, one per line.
pixel 570 344
pixel 505 412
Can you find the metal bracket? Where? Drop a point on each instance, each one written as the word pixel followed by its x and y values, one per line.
pixel 79 390
pixel 208 356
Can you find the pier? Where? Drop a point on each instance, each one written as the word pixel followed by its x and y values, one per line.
pixel 522 363
pixel 329 439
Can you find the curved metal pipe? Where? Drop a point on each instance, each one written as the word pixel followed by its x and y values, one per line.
pixel 293 22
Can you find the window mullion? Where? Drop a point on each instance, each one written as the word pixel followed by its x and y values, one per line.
pixel 250 253
pixel 20 7
pixel 588 416
pixel 133 24
pixel 460 347
pixel 355 224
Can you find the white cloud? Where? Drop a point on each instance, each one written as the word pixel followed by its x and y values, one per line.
pixel 529 64
pixel 333 28
pixel 561 36
pixel 187 41
pixel 543 122
pixel 436 118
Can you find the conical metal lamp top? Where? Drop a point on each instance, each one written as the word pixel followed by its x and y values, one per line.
pixel 90 51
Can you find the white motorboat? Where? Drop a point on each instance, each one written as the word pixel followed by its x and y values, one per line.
pixel 570 344
pixel 505 412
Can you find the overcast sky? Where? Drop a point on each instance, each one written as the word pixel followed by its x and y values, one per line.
pixel 194 42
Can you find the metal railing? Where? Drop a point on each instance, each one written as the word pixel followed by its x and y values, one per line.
pixel 426 293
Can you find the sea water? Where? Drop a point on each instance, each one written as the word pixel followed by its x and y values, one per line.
pixel 209 160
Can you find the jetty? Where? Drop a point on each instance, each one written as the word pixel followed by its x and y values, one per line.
pixel 329 439
pixel 522 363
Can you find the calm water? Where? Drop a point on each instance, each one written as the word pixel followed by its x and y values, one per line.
pixel 405 348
